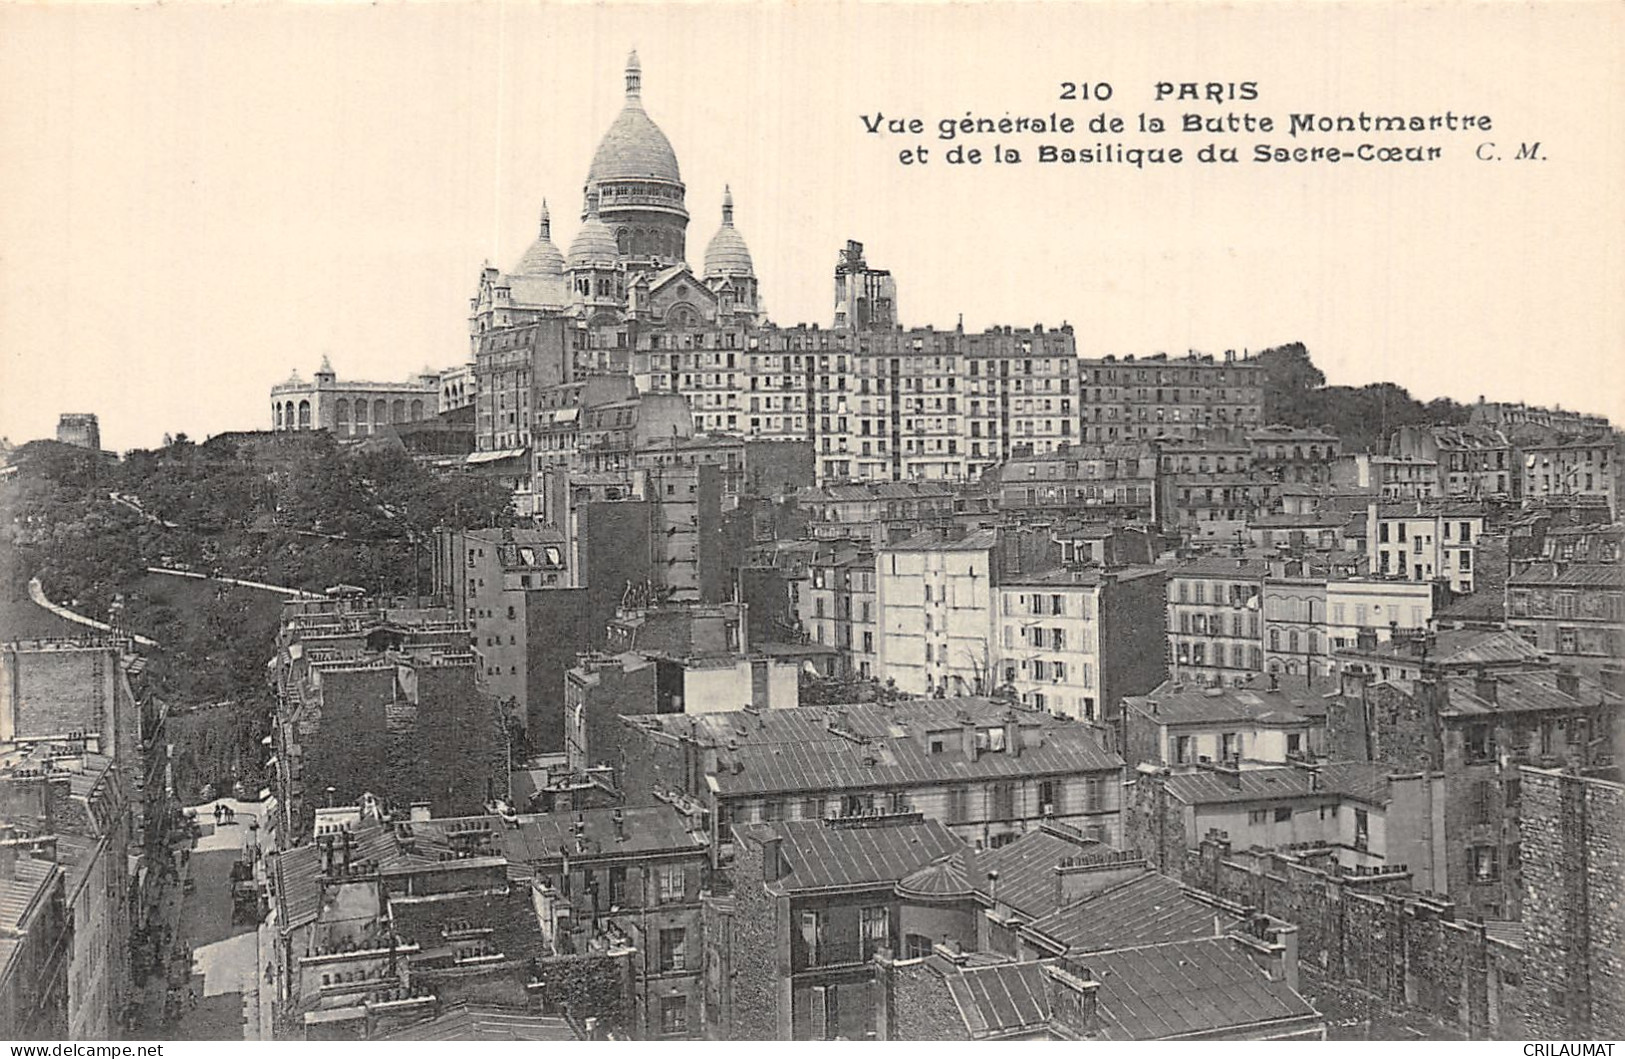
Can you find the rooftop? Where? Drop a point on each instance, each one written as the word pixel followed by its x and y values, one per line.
pixel 469 1022
pixel 1240 568
pixel 1294 700
pixel 1146 910
pixel 1001 999
pixel 1520 691
pixel 820 854
pixel 539 838
pixel 1186 988
pixel 1026 868
pixel 1456 648
pixel 1575 575
pixel 825 764
pixel 977 541
pixel 1364 781
pixel 1082 576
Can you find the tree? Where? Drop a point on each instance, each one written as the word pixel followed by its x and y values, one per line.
pixel 1291 382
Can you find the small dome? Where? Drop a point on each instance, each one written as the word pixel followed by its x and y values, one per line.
pixel 727 254
pixel 947 879
pixel 543 258
pixel 594 244
pixel 634 148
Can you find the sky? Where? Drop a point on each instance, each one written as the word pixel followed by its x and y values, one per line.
pixel 200 199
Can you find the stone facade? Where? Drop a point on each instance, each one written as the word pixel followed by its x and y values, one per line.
pixel 352 408
pixel 1379 960
pixel 760 947
pixel 81 429
pixel 1573 837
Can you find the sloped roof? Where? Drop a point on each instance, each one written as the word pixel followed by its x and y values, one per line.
pixel 877 744
pixel 821 855
pixel 1026 868
pixel 1294 698
pixel 1576 575
pixel 1243 569
pixel 537 838
pixel 1363 780
pixel 842 763
pixel 1186 988
pixel 977 541
pixel 1462 647
pixel 466 1022
pixel 1146 910
pixel 1001 999
pixel 1519 691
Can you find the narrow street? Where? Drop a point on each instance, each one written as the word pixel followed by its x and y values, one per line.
pixel 215 994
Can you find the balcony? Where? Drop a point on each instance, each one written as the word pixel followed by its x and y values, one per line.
pixel 829 952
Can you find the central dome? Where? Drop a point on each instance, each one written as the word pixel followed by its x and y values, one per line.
pixel 634 148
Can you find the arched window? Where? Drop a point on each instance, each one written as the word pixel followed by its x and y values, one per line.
pixel 361 417
pixel 276 416
pixel 1314 643
pixel 1275 639
pixel 399 411
pixel 417 410
pixel 304 415
pixel 380 414
pixel 287 416
pixel 341 416
pixel 1292 641
pixel 623 240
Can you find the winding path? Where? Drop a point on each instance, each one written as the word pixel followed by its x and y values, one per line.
pixel 37 593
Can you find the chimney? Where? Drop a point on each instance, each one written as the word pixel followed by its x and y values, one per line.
pixel 349 844
pixel 1012 734
pixel 1568 683
pixel 620 825
pixel 772 862
pixel 967 739
pixel 1365 639
pixel 420 812
pixel 1485 685
pixel 1072 998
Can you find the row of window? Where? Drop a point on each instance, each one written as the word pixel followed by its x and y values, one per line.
pixel 1199 624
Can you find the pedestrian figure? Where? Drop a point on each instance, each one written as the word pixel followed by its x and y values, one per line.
pixel 219 811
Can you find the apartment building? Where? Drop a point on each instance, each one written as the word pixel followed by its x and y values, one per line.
pixel 986 770
pixel 1112 480
pixel 1214 628
pixel 1425 542
pixel 842 610
pixel 814 902
pixel 1072 641
pixel 1294 454
pixel 1568 467
pixel 1474 730
pixel 1375 605
pixel 1180 726
pixel 935 601
pixel 1474 461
